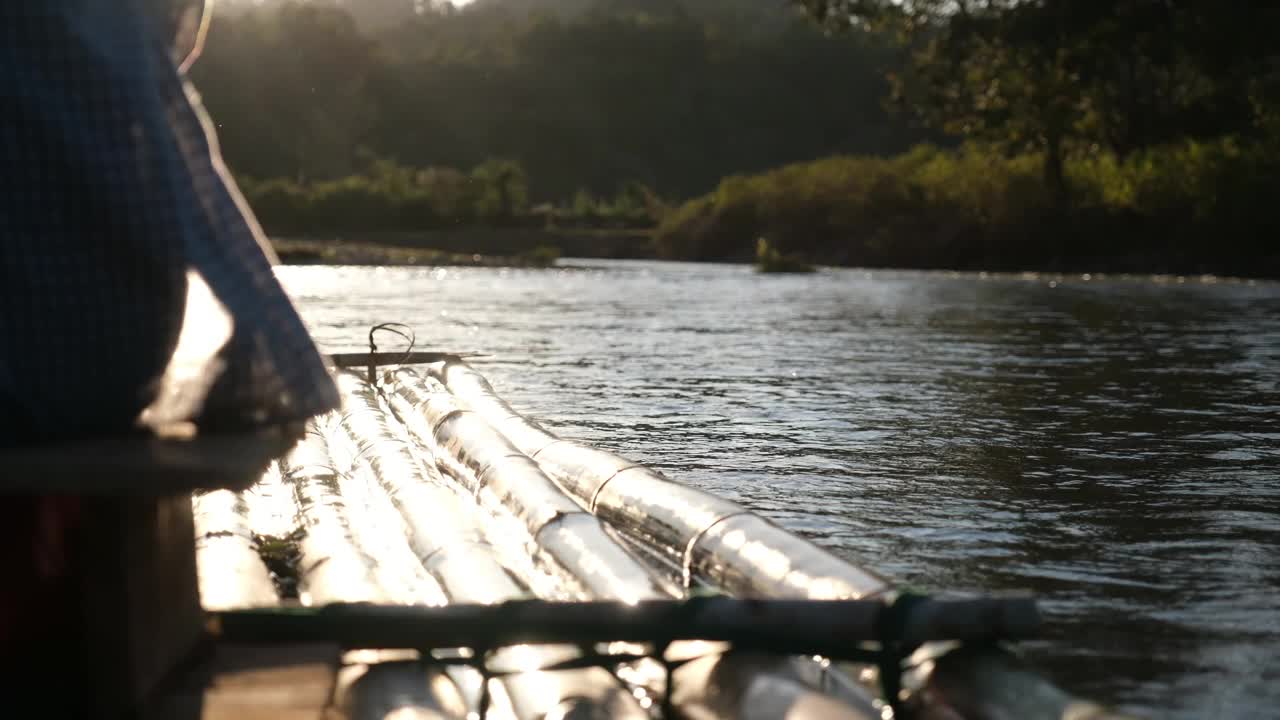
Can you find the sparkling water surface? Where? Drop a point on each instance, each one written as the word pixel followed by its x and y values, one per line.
pixel 1110 444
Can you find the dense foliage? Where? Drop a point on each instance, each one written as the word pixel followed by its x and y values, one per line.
pixel 1050 76
pixel 631 91
pixel 387 197
pixel 1083 133
pixel 1187 208
pixel 1127 134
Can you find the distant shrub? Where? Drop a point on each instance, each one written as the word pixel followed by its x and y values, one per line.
pixel 544 255
pixel 392 197
pixel 1189 205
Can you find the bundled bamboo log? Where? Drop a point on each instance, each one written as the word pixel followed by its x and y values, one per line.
pixel 709 538
pixel 986 682
pixel 750 686
pixel 717 542
pixel 611 502
pixel 375 524
pixel 443 528
pixel 272 515
pixel 230 571
pixel 271 506
pixel 486 464
pixel 401 691
pixel 566 537
pixel 332 567
pixel 445 535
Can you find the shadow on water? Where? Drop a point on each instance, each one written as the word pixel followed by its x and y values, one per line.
pixel 1112 446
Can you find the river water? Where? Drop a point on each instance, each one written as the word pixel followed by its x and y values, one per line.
pixel 1110 444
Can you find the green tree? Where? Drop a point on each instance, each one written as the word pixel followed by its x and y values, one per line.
pixel 673 95
pixel 1048 74
pixel 999 71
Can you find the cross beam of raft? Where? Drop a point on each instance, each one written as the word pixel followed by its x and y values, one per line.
pixel 826 627
pixel 379 359
pixel 374 360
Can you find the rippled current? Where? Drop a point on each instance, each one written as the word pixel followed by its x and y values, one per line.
pixel 1111 444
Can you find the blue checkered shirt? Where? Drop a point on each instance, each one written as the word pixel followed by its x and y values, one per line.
pixel 111 190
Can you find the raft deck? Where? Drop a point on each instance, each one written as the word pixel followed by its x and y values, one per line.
pixel 429 494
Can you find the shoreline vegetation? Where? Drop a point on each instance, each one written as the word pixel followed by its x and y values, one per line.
pixel 467 246
pixel 769 260
pixel 418 253
pixel 1187 209
pixel 1001 140
pixel 304 251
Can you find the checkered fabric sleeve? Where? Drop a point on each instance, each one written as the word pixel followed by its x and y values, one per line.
pixel 111 189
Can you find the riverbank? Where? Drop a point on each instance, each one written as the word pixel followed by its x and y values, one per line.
pixel 1188 209
pixel 294 251
pixel 1192 209
pixel 476 246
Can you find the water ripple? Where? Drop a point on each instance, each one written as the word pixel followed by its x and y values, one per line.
pixel 1111 445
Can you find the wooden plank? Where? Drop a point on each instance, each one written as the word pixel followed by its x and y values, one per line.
pixel 139 602
pixel 294 682
pixel 144 464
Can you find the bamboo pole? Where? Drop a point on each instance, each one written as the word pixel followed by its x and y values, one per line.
pixel 666 539
pixel 487 465
pixel 332 568
pixel 401 690
pixel 709 538
pixel 987 682
pixel 375 524
pixel 230 571
pixel 445 535
pixel 752 686
pixel 716 542
pixel 442 527
pixel 270 505
pixel 412 402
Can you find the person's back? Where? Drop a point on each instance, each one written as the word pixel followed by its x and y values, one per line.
pixel 113 193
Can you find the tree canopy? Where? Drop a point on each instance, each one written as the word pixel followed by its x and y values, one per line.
pixel 1043 74
pixel 1053 133
pixel 592 96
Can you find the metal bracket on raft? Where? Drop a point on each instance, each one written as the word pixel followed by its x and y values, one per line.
pixel 375 360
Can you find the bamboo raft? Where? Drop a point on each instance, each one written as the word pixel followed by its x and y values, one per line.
pixel 429 552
